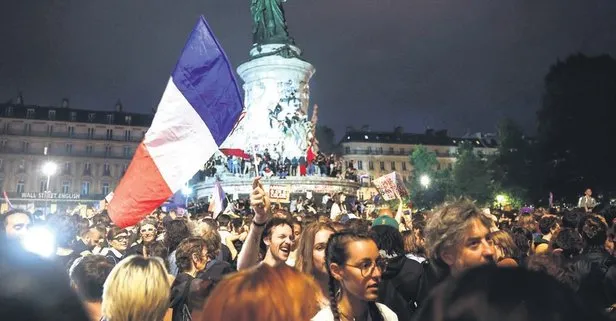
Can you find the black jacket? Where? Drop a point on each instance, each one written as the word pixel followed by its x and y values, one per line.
pixel 402 286
pixel 595 271
pixel 190 293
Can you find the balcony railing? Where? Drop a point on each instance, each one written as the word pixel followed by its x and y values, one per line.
pixel 31 151
pixel 389 152
pixel 21 132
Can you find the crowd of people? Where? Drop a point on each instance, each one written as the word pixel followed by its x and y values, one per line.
pixel 272 164
pixel 455 262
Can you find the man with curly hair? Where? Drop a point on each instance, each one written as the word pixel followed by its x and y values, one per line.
pixel 456 238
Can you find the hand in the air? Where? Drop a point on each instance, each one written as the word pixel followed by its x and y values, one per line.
pixel 259 201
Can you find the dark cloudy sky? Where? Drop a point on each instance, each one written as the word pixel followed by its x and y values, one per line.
pixel 455 64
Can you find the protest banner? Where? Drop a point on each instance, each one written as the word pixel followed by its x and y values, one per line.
pixel 279 193
pixel 390 184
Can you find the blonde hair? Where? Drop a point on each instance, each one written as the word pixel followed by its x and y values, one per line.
pixel 136 289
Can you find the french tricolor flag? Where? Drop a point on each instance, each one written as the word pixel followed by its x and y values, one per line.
pixel 196 113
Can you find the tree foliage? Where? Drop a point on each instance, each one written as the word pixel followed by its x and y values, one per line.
pixel 425 163
pixel 471 176
pixel 573 130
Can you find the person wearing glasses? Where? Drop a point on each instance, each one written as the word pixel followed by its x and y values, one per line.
pixel 354 266
pixel 148 232
pixel 117 239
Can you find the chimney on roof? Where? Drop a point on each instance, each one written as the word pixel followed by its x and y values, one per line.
pixel 365 128
pixel 441 133
pixel 118 106
pixel 429 132
pixel 19 100
pixel 65 103
pixel 398 130
pixel 350 129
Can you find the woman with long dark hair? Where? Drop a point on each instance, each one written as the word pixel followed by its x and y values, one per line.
pixel 354 266
pixel 311 254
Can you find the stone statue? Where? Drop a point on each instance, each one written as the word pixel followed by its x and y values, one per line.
pixel 269 23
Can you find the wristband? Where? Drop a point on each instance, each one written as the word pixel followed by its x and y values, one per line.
pixel 258 224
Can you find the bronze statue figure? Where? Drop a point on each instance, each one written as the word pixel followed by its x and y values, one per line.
pixel 269 23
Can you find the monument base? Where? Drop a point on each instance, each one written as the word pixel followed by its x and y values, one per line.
pixel 317 186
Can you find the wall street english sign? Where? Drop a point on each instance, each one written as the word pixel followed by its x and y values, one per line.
pixel 52 196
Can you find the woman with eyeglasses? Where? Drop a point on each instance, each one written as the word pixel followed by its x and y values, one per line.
pixel 117 239
pixel 354 266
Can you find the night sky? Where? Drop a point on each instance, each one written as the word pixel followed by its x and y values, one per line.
pixel 455 64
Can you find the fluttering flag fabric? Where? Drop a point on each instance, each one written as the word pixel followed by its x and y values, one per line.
pixel 196 113
pixel 8 201
pixel 217 203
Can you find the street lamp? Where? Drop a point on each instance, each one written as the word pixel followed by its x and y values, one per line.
pixel 425 180
pixel 49 169
pixel 187 191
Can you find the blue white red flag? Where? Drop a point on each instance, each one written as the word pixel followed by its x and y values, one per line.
pixel 198 109
pixel 217 203
pixel 8 202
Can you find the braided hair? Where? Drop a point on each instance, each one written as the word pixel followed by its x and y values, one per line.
pixel 337 252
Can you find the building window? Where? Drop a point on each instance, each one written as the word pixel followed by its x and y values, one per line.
pixel 109 134
pixel 52 115
pixel 73 116
pixel 402 151
pixel 127 119
pixel 105 188
pixel 360 165
pixel 380 150
pixel 9 111
pixel 369 149
pixel 49 130
pixel 85 188
pixel 347 150
pixel 67 168
pixel 1 183
pixel 21 168
pixel 1 164
pixel 66 187
pixel 106 170
pixel 27 129
pixel 370 165
pixel 91 117
pixel 126 151
pixel 71 131
pixel 89 149
pixel 69 149
pixel 393 166
pixel 3 145
pixel 43 186
pixel 403 166
pixel 107 150
pixel 382 165
pixel 391 150
pixel 25 146
pixel 87 169
pixel 30 113
pixel 90 133
pixel 110 119
pixel 127 135
pixel 21 184
pixel 124 169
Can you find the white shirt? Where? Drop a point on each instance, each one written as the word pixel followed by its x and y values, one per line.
pixel 326 314
pixel 223 236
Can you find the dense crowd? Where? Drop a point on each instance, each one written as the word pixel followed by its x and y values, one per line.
pixel 334 261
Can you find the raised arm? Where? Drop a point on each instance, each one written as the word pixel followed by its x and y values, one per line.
pixel 249 255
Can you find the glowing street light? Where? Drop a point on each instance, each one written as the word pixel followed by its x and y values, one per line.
pixel 425 180
pixel 187 190
pixel 49 169
pixel 500 199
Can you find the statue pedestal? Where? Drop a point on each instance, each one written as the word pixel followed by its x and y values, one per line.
pixel 276 86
